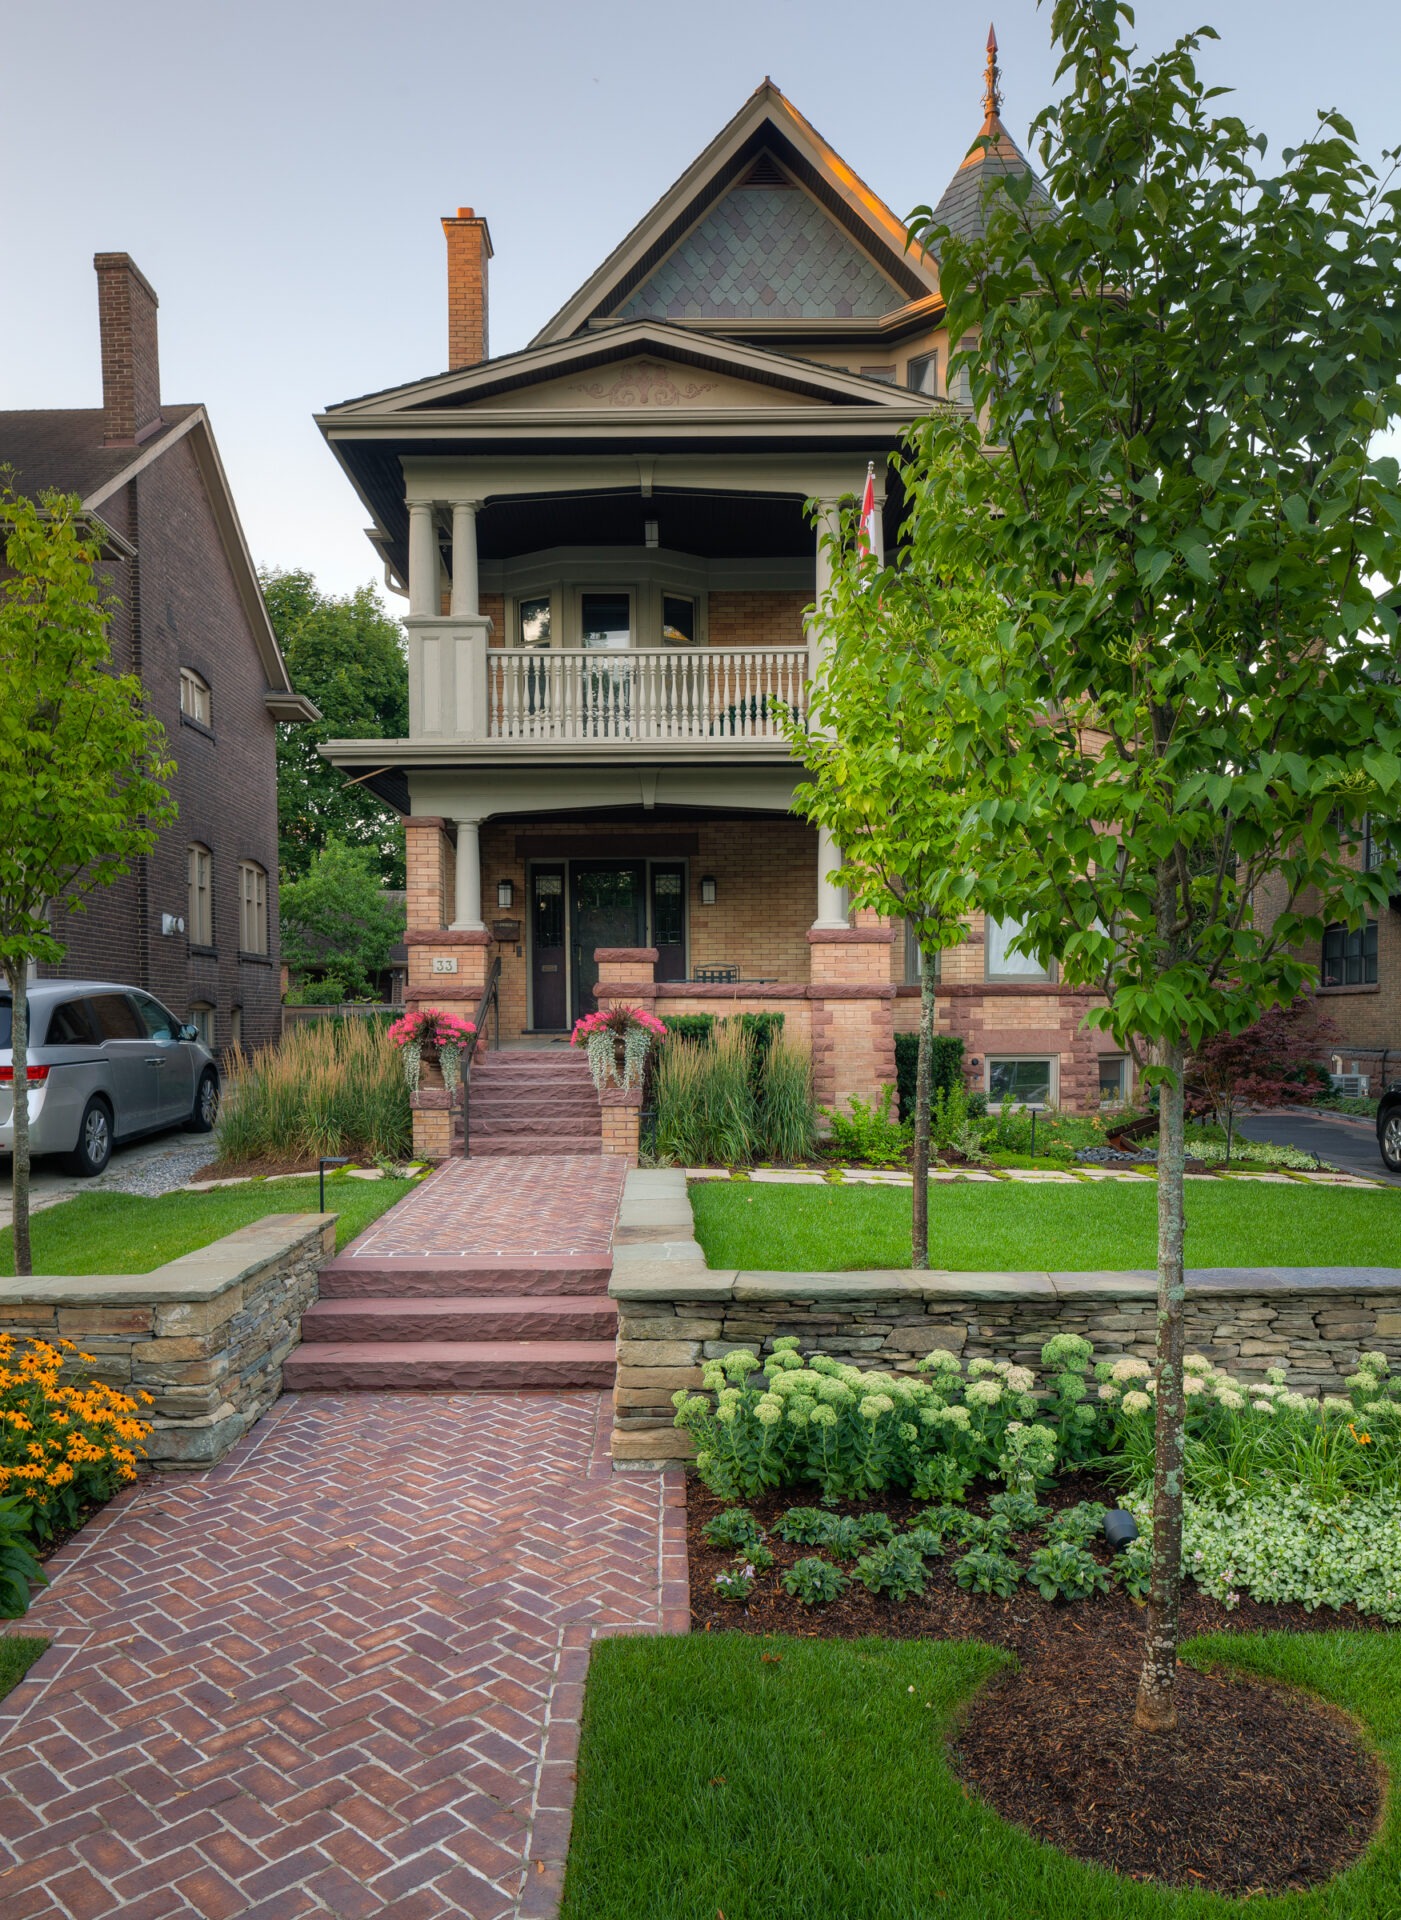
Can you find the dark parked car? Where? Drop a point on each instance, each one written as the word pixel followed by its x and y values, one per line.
pixel 1389 1126
pixel 106 1063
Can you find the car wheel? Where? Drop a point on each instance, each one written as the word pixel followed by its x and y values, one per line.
pixel 1391 1140
pixel 94 1148
pixel 206 1107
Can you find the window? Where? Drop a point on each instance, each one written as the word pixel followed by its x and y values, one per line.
pixel 71 1024
pixel 116 1017
pixel 159 1022
pixel 1026 1083
pixel 678 621
pixel 606 619
pixel 194 697
pixel 202 1020
pixel 534 620
pixel 961 384
pixel 999 963
pixel 252 908
pixel 1350 956
pixel 1113 1079
pixel 1378 849
pixel 885 373
pixel 922 375
pixel 914 959
pixel 199 913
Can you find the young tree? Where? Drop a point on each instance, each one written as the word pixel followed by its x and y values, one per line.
pixel 886 778
pixel 1181 364
pixel 1274 1062
pixel 337 922
pixel 346 654
pixel 82 766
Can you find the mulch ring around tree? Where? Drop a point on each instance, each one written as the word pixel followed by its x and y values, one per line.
pixel 1259 1789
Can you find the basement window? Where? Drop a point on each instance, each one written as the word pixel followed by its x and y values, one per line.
pixel 1024 1082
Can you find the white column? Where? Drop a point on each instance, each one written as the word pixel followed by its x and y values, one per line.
pixel 831 899
pixel 465 598
pixel 469 877
pixel 423 559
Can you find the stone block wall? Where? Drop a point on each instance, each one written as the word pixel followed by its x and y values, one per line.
pixel 205 1335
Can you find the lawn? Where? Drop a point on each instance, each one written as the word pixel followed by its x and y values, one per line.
pixel 125 1233
pixel 18 1652
pixel 1012 1228
pixel 796 1779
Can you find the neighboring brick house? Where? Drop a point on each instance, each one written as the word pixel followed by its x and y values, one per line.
pixel 195 922
pixel 611 579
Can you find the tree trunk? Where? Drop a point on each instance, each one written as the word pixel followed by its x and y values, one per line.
pixel 1156 1710
pixel 18 978
pixel 919 1212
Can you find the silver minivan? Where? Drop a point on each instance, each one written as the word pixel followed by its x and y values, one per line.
pixel 106 1063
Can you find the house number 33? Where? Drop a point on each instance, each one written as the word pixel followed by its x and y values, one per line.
pixel 441 965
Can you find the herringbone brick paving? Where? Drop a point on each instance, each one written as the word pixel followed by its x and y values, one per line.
pixel 563 1203
pixel 339 1673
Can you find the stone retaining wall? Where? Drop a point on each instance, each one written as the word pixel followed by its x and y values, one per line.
pixel 674 1313
pixel 205 1335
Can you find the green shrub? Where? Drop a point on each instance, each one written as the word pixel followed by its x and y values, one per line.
pixel 725 1093
pixel 945 1067
pixel 845 1537
pixel 1063 1571
pixel 327 1087
pixel 985 1570
pixel 895 1569
pixel 868 1136
pixel 814 1582
pixel 698 1028
pixel 1284 1546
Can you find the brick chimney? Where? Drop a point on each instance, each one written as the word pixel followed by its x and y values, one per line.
pixel 131 374
pixel 469 249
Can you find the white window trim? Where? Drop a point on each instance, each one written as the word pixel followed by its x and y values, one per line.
pixel 200 887
pixel 257 904
pixel 200 694
pixel 1011 1059
pixel 1125 1077
pixel 1023 963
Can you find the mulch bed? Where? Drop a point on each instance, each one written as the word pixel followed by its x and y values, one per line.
pixel 1259 1789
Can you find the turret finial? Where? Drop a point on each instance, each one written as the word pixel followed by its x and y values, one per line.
pixel 992 80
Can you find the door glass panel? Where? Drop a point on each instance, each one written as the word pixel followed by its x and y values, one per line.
pixel 608 912
pixel 159 1024
pixel 549 1003
pixel 669 921
pixel 607 620
pixel 116 1017
pixel 535 622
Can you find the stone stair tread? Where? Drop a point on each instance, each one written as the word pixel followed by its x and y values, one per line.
pixel 438 1276
pixel 449 1365
pixel 487 1317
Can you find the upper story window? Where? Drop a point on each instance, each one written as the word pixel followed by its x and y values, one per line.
pixel 605 619
pixel 199 912
pixel 252 908
pixel 914 958
pixel 1350 956
pixel 885 373
pixel 1000 962
pixel 922 374
pixel 534 618
pixel 194 697
pixel 678 620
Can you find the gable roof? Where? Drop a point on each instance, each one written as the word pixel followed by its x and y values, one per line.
pixel 700 248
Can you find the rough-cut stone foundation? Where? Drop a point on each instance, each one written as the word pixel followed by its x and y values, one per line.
pixel 205 1335
pixel 674 1313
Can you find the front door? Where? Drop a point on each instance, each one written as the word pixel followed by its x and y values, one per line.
pixel 548 968
pixel 609 910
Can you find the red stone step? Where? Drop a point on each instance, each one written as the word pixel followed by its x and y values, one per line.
pixel 462 1317
pixel 568 1062
pixel 542 1127
pixel 440 1276
pixel 532 1099
pixel 486 1145
pixel 448 1365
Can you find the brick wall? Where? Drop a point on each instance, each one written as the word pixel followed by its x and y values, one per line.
pixel 1368 1018
pixel 760 619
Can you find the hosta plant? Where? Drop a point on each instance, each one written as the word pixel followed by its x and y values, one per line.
pixel 1078 1524
pixel 985 1570
pixel 925 1542
pixel 736 1582
pixel 1019 1509
pixel 815 1582
pixel 20 1571
pixel 736 1527
pixel 1063 1571
pixel 803 1526
pixel 895 1569
pixel 1133 1568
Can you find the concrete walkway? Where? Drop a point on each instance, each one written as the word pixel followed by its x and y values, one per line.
pixel 341 1673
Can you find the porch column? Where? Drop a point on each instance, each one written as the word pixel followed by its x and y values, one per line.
pixel 465 602
pixel 423 559
pixel 831 904
pixel 469 878
pixel 831 899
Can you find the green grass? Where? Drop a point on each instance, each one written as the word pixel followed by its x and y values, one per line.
pixel 1009 1228
pixel 124 1233
pixel 18 1652
pixel 813 1786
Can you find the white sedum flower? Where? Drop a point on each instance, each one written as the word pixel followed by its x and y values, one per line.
pixel 1136 1401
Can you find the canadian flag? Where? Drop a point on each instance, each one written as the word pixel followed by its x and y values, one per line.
pixel 868 535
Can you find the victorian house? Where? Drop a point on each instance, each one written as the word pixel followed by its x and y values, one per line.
pixel 614 587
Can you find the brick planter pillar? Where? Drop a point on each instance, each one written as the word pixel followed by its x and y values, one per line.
pixel 432 1123
pixel 625 974
pixel 853 1012
pixel 622 1119
pixel 447 968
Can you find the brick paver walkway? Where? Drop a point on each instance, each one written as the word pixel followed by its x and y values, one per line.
pixel 339 1673
pixel 563 1203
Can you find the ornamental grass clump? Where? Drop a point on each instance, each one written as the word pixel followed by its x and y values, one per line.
pixel 65 1444
pixel 326 1087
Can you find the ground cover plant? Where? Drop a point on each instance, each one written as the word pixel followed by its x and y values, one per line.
pixel 127 1233
pixel 326 1087
pixel 1062 1228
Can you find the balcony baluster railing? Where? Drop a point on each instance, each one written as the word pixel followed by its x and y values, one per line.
pixel 578 694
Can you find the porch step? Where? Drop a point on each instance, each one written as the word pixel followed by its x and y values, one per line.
pixel 546 1102
pixel 561 1062
pixel 457 1318
pixel 429 1276
pixel 548 1130
pixel 486 1144
pixel 448 1365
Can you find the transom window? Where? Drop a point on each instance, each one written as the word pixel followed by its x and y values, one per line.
pixel 1028 1082
pixel 1350 956
pixel 1000 962
pixel 194 697
pixel 199 913
pixel 252 908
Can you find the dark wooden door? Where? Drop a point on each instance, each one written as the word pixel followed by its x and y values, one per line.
pixel 608 907
pixel 549 996
pixel 669 921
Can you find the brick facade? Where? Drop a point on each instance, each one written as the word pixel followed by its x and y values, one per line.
pixel 1368 1015
pixel 757 619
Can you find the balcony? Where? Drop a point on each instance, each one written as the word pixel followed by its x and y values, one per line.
pixel 651 695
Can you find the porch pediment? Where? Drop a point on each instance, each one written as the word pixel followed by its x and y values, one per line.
pixel 650 383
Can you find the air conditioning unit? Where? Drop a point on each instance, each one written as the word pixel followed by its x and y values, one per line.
pixel 1353 1086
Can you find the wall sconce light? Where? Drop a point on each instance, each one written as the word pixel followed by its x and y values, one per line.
pixel 172 923
pixel 708 891
pixel 651 533
pixel 505 893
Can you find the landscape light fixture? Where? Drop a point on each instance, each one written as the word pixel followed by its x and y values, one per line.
pixel 1119 1528
pixel 328 1160
pixel 708 891
pixel 505 893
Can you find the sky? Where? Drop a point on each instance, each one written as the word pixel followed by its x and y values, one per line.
pixel 278 168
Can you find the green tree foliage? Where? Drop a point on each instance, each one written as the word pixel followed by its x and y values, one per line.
pixel 338 924
pixel 347 655
pixel 82 766
pixel 1183 364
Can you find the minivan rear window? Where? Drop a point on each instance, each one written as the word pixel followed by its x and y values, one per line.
pixel 71 1025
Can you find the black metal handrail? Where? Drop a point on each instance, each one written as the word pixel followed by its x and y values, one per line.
pixel 491 998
